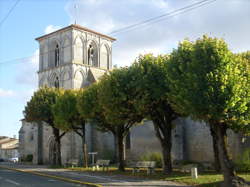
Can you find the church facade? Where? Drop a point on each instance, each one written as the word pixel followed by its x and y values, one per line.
pixel 75 57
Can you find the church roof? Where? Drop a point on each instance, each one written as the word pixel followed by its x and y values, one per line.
pixel 79 27
pixel 97 73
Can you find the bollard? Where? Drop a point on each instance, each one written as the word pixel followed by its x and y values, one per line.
pixel 194 173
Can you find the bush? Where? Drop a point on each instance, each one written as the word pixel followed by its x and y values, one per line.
pixel 108 154
pixel 29 158
pixel 243 163
pixel 155 156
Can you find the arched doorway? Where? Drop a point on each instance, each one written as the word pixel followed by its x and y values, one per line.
pixel 52 152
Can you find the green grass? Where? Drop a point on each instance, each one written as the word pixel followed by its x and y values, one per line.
pixel 205 179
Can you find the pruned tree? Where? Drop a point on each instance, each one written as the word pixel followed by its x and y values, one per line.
pixel 39 109
pixel 91 110
pixel 117 98
pixel 151 87
pixel 68 118
pixel 209 83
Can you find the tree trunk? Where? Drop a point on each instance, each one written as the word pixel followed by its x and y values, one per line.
pixel 166 150
pixel 40 144
pixel 85 154
pixel 115 148
pixel 120 146
pixel 215 149
pixel 56 133
pixel 226 164
pixel 164 134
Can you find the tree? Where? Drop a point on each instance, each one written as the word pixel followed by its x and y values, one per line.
pixel 151 88
pixel 39 109
pixel 209 83
pixel 117 98
pixel 91 110
pixel 67 117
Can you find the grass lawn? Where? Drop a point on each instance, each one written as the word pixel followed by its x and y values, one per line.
pixel 205 179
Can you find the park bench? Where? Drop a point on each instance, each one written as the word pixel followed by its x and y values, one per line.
pixel 72 163
pixel 187 168
pixel 149 165
pixel 102 163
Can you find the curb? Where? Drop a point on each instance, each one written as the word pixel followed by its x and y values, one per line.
pixel 54 177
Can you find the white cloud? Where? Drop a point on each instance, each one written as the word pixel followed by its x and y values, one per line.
pixel 28 70
pixel 227 19
pixel 6 93
pixel 51 28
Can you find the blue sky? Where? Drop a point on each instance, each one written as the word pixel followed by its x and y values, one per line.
pixel 32 18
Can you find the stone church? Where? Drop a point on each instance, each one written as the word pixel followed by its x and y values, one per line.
pixel 74 57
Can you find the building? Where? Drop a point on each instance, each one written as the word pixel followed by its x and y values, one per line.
pixel 8 147
pixel 74 57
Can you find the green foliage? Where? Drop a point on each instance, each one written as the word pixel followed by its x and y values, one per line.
pixel 39 108
pixel 117 97
pixel 208 82
pixel 90 109
pixel 107 154
pixel 150 84
pixel 29 158
pixel 243 163
pixel 65 111
pixel 87 102
pixel 153 156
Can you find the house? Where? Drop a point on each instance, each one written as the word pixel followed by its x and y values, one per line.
pixel 8 147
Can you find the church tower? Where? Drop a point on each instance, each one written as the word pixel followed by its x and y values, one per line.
pixel 73 57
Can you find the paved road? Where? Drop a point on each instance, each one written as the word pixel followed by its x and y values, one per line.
pixel 9 178
pixel 104 179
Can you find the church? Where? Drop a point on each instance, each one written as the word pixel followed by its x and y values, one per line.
pixel 74 57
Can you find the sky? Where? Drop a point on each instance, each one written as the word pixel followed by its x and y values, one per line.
pixel 228 19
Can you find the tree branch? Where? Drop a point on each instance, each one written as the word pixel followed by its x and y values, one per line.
pixel 62 135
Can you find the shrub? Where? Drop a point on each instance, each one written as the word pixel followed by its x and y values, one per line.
pixel 154 156
pixel 243 162
pixel 29 158
pixel 108 154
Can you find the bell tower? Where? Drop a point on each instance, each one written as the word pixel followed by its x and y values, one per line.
pixel 73 57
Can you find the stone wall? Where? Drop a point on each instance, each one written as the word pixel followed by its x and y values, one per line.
pixel 28 140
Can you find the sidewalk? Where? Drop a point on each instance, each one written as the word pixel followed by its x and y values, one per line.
pixel 95 177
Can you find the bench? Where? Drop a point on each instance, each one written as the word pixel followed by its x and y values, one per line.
pixel 187 168
pixel 149 165
pixel 102 163
pixel 72 163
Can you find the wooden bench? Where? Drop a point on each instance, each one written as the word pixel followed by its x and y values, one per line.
pixel 102 163
pixel 72 163
pixel 149 165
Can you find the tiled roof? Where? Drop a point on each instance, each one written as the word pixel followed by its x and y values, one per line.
pixel 15 146
pixel 79 27
pixel 6 140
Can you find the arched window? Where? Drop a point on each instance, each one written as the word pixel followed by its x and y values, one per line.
pixel 31 136
pixel 78 50
pixel 56 83
pixel 92 54
pixel 104 57
pixel 41 62
pixel 57 55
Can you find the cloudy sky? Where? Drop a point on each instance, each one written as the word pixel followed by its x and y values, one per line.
pixel 29 19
